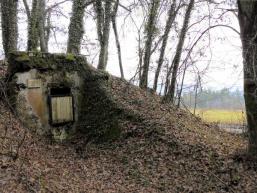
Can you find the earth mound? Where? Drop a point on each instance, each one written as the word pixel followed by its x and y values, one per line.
pixel 160 149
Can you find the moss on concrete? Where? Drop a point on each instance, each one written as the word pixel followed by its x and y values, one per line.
pixel 70 57
pixel 23 57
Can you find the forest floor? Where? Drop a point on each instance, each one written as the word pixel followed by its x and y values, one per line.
pixel 167 150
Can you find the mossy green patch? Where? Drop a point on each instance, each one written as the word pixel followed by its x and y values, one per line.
pixel 24 57
pixel 70 57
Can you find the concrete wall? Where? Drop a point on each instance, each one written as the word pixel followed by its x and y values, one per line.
pixel 96 113
pixel 32 103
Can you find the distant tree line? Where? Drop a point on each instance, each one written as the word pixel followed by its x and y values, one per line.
pixel 215 99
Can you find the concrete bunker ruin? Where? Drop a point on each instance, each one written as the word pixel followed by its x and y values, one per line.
pixel 59 95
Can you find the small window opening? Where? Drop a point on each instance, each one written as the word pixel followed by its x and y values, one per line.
pixel 60 91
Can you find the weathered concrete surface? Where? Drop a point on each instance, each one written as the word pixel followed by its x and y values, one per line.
pixel 33 104
pixel 32 75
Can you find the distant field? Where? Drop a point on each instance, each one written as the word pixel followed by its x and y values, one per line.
pixel 222 116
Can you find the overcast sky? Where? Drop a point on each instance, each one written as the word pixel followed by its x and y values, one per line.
pixel 222 58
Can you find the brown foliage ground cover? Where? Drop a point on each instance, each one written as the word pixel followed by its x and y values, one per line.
pixel 163 150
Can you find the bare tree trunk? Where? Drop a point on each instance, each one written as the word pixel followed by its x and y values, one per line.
pixel 38 34
pixel 160 93
pixel 150 28
pixel 99 19
pixel 41 26
pixel 248 23
pixel 177 57
pixel 26 5
pixel 140 56
pixel 170 20
pixel 198 82
pixel 48 28
pixel 182 84
pixel 104 28
pixel 76 28
pixel 9 25
pixel 167 82
pixel 114 26
pixel 33 33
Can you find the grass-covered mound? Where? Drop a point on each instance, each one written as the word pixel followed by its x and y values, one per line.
pixel 161 149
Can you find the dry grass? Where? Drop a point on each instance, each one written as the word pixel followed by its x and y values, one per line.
pixel 222 116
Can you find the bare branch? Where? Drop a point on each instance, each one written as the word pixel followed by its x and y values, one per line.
pixel 26 5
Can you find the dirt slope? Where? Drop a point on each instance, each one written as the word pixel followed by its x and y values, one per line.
pixel 162 149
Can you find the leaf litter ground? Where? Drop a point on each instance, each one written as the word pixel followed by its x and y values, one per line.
pixel 164 150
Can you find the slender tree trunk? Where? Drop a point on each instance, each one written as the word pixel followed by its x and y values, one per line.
pixel 248 23
pixel 48 28
pixel 177 57
pixel 160 93
pixel 76 28
pixel 140 56
pixel 150 28
pixel 104 41
pixel 140 63
pixel 9 25
pixel 170 20
pixel 26 5
pixel 196 92
pixel 167 82
pixel 181 87
pixel 99 19
pixel 114 26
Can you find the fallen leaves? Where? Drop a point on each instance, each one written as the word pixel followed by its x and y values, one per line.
pixel 163 150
